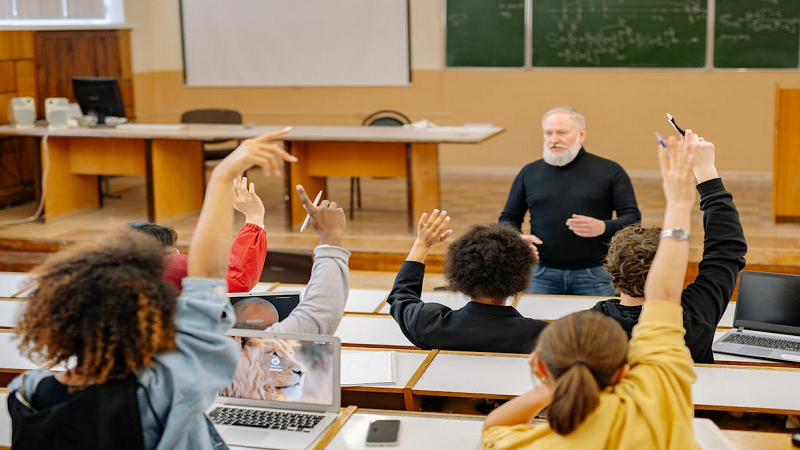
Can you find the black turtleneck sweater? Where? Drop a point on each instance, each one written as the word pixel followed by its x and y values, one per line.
pixel 590 186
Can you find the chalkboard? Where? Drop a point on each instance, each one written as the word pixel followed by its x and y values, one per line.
pixel 485 33
pixel 619 33
pixel 757 33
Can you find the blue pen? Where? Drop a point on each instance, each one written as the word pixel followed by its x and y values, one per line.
pixel 661 141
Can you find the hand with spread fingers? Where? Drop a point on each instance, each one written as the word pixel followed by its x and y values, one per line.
pixel 431 230
pixel 328 219
pixel 258 151
pixel 247 202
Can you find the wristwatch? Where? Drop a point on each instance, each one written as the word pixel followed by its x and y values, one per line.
pixel 675 233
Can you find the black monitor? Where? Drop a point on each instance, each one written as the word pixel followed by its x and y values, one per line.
pixel 98 96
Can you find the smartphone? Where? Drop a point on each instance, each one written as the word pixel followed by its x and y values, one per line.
pixel 383 432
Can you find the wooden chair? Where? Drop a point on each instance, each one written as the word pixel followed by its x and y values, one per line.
pixel 382 118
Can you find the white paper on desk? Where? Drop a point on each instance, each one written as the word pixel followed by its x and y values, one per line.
pixel 363 368
pixel 709 436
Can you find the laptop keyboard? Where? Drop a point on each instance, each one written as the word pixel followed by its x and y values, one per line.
pixel 264 419
pixel 758 341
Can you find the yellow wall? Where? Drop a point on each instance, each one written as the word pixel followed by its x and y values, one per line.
pixel 734 109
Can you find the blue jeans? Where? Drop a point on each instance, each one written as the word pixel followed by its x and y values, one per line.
pixel 591 281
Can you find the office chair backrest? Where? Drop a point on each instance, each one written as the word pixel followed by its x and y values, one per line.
pixel 386 118
pixel 223 116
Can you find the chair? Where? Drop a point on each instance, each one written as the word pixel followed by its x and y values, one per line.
pixel 382 118
pixel 214 149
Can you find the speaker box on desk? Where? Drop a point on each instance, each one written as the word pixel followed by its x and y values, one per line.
pixel 56 111
pixel 22 111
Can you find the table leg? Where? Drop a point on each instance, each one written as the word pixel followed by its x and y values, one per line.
pixel 65 192
pixel 298 174
pixel 423 181
pixel 175 178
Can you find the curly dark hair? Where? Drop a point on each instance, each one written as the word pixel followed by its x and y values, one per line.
pixel 630 254
pixel 165 235
pixel 489 261
pixel 104 303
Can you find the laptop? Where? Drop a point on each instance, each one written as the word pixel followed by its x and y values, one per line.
pixel 259 310
pixel 766 323
pixel 287 267
pixel 285 393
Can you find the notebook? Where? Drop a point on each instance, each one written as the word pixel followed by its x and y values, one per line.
pixel 259 310
pixel 765 323
pixel 288 382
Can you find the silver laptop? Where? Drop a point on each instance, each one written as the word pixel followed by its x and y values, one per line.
pixel 285 392
pixel 766 322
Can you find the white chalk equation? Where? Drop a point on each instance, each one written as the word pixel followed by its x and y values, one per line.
pixel 758 21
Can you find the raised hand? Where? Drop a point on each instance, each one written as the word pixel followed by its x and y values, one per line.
pixel 676 169
pixel 257 151
pixel 247 202
pixel 327 219
pixel 433 229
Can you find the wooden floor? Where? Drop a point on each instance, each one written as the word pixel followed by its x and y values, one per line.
pixel 380 226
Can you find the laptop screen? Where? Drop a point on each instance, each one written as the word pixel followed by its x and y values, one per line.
pixel 259 310
pixel 281 371
pixel 768 302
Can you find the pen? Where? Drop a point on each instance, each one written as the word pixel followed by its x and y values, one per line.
pixel 671 120
pixel 308 216
pixel 662 142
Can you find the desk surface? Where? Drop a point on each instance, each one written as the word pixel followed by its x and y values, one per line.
pixel 11 283
pixel 10 359
pixel 203 132
pixel 372 331
pixel 8 312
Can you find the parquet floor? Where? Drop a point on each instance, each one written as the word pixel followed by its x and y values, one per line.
pixel 381 225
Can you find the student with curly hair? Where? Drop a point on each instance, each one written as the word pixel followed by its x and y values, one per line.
pixel 489 264
pixel 632 249
pixel 142 363
pixel 248 252
pixel 604 392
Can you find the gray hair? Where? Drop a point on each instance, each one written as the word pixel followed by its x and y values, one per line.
pixel 573 113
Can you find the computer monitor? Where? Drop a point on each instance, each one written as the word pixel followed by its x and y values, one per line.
pixel 98 96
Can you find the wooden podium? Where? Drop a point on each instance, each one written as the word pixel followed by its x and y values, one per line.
pixel 786 168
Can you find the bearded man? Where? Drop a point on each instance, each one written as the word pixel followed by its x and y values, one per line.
pixel 571 195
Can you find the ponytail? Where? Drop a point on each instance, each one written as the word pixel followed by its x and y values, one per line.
pixel 583 352
pixel 576 394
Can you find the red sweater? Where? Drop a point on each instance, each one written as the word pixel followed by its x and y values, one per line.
pixel 248 254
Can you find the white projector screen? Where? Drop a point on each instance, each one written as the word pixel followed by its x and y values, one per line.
pixel 295 42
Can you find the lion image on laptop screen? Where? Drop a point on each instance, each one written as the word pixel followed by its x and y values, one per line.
pixel 268 370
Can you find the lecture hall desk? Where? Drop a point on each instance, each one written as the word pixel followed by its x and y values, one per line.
pixel 172 162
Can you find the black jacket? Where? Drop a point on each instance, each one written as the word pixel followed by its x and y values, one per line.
pixel 476 327
pixel 705 300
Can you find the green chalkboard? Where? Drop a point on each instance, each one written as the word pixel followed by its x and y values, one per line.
pixel 485 33
pixel 757 33
pixel 619 33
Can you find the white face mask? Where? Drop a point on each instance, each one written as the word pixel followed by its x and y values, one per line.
pixel 562 158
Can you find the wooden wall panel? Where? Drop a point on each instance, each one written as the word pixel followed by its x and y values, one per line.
pixel 786 183
pixel 17 44
pixel 8 82
pixel 26 78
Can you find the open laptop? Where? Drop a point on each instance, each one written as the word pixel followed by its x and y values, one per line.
pixel 766 322
pixel 285 392
pixel 259 310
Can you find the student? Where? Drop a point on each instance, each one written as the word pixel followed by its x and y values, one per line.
pixel 632 249
pixel 489 264
pixel 248 252
pixel 143 365
pixel 603 392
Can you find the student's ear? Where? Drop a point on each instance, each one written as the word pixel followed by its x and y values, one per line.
pixel 539 368
pixel 622 372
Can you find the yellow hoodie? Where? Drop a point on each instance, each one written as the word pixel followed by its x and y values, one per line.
pixel 651 408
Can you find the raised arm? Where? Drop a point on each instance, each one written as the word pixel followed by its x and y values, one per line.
pixel 211 241
pixel 431 230
pixel 249 250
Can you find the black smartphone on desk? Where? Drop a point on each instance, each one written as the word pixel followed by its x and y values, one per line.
pixel 383 432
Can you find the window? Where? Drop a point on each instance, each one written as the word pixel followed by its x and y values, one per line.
pixel 61 12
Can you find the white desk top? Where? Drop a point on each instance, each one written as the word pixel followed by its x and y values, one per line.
pixel 417 432
pixel 554 307
pixel 205 132
pixel 476 374
pixel 5 422
pixel 8 311
pixel 9 354
pixel 406 365
pixel 371 330
pixel 365 300
pixel 748 389
pixel 11 283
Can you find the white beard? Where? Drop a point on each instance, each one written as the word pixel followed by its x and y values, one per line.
pixel 560 159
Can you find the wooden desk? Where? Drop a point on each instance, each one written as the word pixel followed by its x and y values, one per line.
pixel 5 420
pixel 371 331
pixel 172 162
pixel 409 366
pixel 8 311
pixel 11 283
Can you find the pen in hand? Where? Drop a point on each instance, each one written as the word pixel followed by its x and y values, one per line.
pixel 308 216
pixel 662 142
